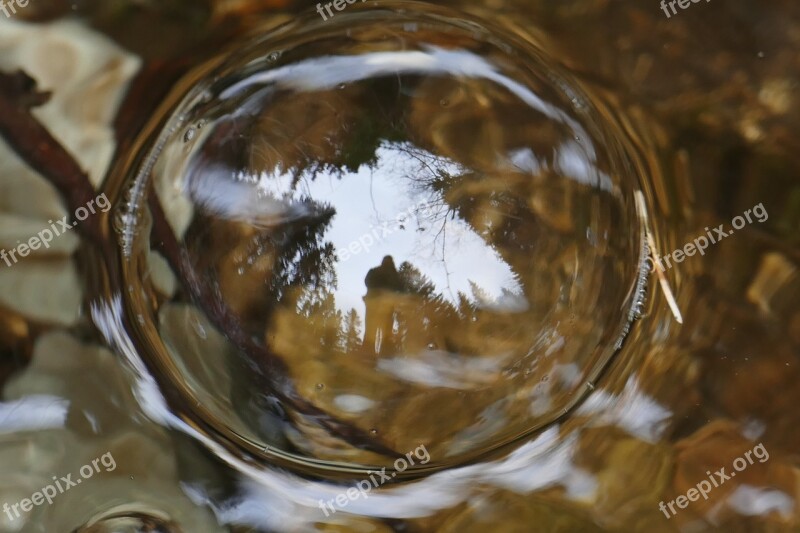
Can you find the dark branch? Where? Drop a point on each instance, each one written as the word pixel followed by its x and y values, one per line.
pixel 39 149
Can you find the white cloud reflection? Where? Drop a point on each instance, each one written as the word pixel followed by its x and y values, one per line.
pixel 35 412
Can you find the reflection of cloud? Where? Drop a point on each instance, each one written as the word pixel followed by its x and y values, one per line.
pixel 523 159
pixel 34 412
pixel 353 403
pixel 275 499
pixel 632 410
pixel 237 196
pixel 574 163
pixel 751 501
pixel 543 462
pixel 437 368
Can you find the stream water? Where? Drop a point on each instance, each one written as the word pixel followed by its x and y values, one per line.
pixel 412 267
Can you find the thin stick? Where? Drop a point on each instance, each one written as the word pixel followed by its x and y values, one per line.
pixel 662 279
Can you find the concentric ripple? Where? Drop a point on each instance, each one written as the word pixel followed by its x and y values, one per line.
pixel 397 228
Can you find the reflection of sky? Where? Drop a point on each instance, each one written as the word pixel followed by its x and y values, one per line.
pixel 448 251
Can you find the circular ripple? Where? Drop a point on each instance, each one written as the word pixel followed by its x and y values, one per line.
pixel 127 520
pixel 395 231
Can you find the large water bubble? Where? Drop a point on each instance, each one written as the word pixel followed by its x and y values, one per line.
pixel 391 229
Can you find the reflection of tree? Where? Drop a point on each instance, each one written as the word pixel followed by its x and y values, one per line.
pixel 405 312
pixel 501 215
pixel 303 260
pixel 411 314
pixel 424 315
pixel 352 333
pixel 304 139
pixel 302 283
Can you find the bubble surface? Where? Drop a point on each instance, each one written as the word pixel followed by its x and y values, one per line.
pixel 431 220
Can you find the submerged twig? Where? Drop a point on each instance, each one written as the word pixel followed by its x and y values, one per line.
pixel 42 152
pixel 39 149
